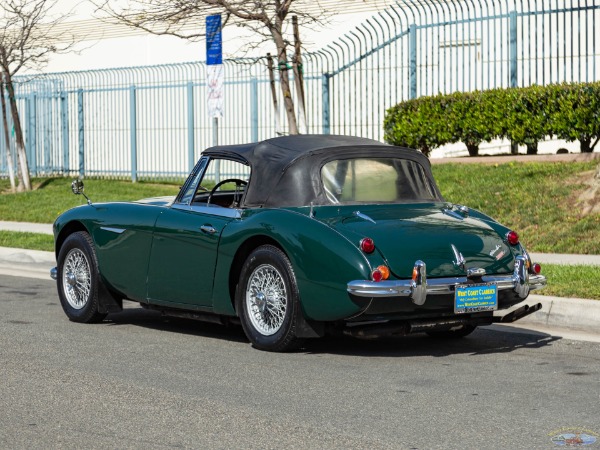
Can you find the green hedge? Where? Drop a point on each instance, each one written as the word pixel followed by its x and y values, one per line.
pixel 523 115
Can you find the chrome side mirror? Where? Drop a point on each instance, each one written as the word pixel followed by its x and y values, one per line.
pixel 77 187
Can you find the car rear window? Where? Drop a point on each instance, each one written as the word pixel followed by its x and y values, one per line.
pixel 376 180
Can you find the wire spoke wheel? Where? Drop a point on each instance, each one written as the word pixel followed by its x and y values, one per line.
pixel 77 279
pixel 266 299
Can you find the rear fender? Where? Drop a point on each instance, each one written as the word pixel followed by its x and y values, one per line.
pixel 323 261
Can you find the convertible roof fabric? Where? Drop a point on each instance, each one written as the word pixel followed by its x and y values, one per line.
pixel 286 170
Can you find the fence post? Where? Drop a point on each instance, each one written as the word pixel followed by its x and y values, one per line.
pixel 412 69
pixel 254 110
pixel 326 112
pixel 31 145
pixel 512 61
pixel 191 140
pixel 81 123
pixel 133 131
pixel 513 48
pixel 64 122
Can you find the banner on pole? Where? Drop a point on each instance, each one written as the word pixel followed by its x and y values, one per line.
pixel 214 65
pixel 214 81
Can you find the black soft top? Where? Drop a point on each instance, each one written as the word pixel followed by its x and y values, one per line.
pixel 286 170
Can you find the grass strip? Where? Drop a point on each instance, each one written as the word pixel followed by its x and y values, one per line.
pixel 576 281
pixel 537 200
pixel 52 196
pixel 31 241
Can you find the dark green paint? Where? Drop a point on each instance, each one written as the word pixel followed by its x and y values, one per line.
pixel 182 260
pixel 164 258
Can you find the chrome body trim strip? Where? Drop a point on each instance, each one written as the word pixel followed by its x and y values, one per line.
pixel 212 210
pixel 114 230
pixel 363 217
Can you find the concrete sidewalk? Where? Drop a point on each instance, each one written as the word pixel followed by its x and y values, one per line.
pixel 26 227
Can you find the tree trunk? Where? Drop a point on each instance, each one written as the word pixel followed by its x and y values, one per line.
pixel 425 150
pixel 284 80
pixel 473 149
pixel 23 165
pixel 9 160
pixel 585 144
pixel 274 94
pixel 532 148
pixel 299 77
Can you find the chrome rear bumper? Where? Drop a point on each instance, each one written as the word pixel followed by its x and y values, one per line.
pixel 418 288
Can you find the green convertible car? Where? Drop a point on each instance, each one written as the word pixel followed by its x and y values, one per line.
pixel 295 237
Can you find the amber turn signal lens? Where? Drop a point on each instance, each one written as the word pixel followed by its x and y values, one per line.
pixel 512 238
pixel 385 272
pixel 536 268
pixel 367 245
pixel 415 274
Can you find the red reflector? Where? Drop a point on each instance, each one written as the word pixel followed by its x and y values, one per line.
pixel 367 245
pixel 536 268
pixel 376 275
pixel 512 238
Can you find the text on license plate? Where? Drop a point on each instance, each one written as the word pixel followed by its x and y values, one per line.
pixel 475 298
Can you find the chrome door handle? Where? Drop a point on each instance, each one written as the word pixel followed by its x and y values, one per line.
pixel 208 229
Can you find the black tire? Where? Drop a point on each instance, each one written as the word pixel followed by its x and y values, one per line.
pixel 465 330
pixel 78 278
pixel 268 318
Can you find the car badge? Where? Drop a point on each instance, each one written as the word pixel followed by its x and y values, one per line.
pixel 498 247
pixel 459 259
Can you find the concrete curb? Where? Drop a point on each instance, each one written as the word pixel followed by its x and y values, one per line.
pixel 558 312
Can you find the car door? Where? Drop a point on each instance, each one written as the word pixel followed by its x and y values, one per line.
pixel 186 240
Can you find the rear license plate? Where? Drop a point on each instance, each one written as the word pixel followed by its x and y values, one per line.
pixel 470 298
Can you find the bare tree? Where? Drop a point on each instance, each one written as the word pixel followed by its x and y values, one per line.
pixel 9 158
pixel 27 39
pixel 265 18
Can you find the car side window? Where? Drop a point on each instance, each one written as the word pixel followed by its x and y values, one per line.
pixel 223 183
pixel 192 181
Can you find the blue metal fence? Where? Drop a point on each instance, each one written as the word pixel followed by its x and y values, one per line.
pixel 151 122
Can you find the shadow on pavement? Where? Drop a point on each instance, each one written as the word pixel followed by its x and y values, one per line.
pixel 154 320
pixel 485 340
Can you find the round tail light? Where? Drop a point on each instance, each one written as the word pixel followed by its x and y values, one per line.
pixel 367 245
pixel 376 275
pixel 536 268
pixel 512 238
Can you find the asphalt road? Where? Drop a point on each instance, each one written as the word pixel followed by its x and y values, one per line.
pixel 142 381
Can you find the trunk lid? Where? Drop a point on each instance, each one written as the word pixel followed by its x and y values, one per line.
pixel 406 233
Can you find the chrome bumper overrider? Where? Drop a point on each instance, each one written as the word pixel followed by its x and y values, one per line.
pixel 418 288
pixel 54 273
